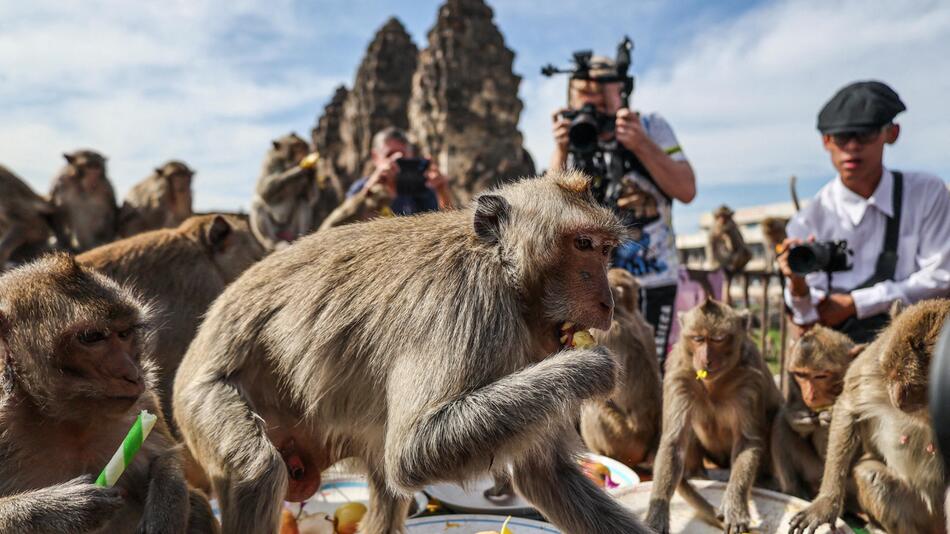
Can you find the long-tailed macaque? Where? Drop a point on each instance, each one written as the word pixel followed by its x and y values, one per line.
pixel 718 402
pixel 726 247
pixel 626 425
pixel 161 200
pixel 427 346
pixel 882 415
pixel 817 364
pixel 25 219
pixel 75 374
pixel 290 200
pixel 773 235
pixel 86 213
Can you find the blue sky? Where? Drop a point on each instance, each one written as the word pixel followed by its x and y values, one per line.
pixel 212 82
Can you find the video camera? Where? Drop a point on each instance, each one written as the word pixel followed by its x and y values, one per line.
pixel 824 256
pixel 411 179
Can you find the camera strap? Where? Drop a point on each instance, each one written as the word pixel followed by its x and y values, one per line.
pixel 886 265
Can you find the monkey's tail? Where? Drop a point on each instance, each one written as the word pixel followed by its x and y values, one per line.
pixel 794 190
pixel 699 503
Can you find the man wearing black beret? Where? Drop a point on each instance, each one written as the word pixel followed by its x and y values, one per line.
pixel 896 224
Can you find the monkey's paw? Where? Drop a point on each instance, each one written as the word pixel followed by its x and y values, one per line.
pixel 735 519
pixel 658 518
pixel 86 505
pixel 820 512
pixel 596 368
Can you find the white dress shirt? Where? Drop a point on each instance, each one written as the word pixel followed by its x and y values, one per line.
pixel 923 250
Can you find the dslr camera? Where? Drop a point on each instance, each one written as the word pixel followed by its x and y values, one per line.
pixel 586 126
pixel 411 180
pixel 825 256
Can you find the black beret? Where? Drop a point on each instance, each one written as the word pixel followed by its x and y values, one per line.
pixel 859 106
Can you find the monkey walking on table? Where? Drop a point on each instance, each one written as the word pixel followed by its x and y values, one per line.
pixel 882 417
pixel 86 212
pixel 74 375
pixel 718 403
pixel 427 346
pixel 817 364
pixel 626 425
pixel 161 200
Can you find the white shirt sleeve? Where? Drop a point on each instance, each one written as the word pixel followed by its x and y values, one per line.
pixel 932 255
pixel 662 134
pixel 805 309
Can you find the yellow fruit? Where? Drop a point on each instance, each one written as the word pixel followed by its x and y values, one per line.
pixel 309 161
pixel 348 517
pixel 583 340
pixel 702 374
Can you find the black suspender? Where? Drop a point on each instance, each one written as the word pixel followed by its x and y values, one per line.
pixel 886 264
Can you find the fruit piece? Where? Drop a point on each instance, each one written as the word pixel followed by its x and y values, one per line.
pixel 701 374
pixel 288 524
pixel 309 160
pixel 347 517
pixel 583 340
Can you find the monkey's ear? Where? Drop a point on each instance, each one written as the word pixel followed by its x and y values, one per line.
pixel 681 318
pixel 276 144
pixel 491 213
pixel 218 232
pixel 69 158
pixel 897 308
pixel 856 350
pixel 745 319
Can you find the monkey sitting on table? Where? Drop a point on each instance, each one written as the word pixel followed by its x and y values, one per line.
pixel 74 376
pixel 427 346
pixel 626 425
pixel 883 413
pixel 718 402
pixel 817 363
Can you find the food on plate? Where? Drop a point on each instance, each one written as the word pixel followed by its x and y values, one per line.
pixel 598 473
pixel 504 529
pixel 288 523
pixel 347 517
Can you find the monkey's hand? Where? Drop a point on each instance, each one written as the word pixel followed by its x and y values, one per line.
pixel 803 422
pixel 735 517
pixel 595 370
pixel 80 504
pixel 824 418
pixel 822 511
pixel 658 516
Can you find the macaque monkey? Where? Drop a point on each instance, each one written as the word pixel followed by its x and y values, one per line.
pixel 773 235
pixel 626 425
pixel 180 271
pixel 25 219
pixel 726 247
pixel 75 374
pixel 718 402
pixel 817 363
pixel 162 200
pixel 291 201
pixel 426 346
pixel 86 213
pixel 882 414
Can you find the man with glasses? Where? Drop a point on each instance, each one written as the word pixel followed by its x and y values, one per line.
pixel 879 212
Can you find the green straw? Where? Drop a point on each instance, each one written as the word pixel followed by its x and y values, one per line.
pixel 130 446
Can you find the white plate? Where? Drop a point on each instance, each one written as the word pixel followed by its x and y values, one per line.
pixel 770 511
pixel 470 496
pixel 470 524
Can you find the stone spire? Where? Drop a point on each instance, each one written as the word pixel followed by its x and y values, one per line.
pixel 327 139
pixel 464 109
pixel 380 94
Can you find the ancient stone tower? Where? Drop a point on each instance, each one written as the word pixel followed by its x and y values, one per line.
pixel 327 139
pixel 380 94
pixel 464 109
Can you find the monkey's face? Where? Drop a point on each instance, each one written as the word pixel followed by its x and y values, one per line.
pixel 713 333
pixel 580 292
pixel 179 183
pixel 100 364
pixel 820 387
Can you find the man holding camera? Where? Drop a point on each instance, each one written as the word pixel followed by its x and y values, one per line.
pixel 873 235
pixel 638 169
pixel 400 184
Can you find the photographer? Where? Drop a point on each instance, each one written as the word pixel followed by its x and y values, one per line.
pixel 638 169
pixel 873 235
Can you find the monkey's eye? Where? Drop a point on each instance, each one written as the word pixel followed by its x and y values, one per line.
pixel 90 337
pixel 127 333
pixel 698 339
pixel 717 339
pixel 819 377
pixel 583 243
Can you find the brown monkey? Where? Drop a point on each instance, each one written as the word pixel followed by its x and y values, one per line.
pixel 75 374
pixel 883 412
pixel 773 235
pixel 162 200
pixel 290 200
pixel 427 346
pixel 726 246
pixel 86 213
pixel 181 271
pixel 24 219
pixel 817 363
pixel 626 426
pixel 718 402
